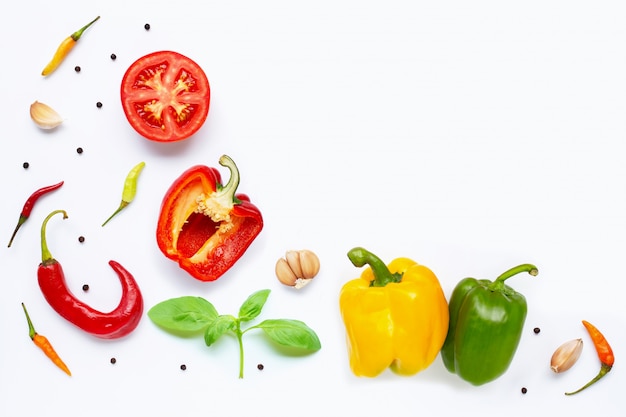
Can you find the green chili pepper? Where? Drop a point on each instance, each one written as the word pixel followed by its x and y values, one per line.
pixel 486 322
pixel 130 189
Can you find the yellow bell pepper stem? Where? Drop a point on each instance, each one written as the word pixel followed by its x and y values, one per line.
pixel 396 316
pixel 66 46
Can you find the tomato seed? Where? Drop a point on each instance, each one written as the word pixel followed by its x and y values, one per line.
pixel 77 68
pixel 98 104
pixel 85 287
pixel 260 367
pixel 81 239
pixel 147 26
pixel 183 367
pixel 113 57
pixel 524 390
pixel 25 165
pixel 113 360
pixel 79 150
pixel 536 330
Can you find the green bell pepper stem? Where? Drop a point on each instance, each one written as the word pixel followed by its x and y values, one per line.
pixel 46 256
pixel 498 284
pixel 382 276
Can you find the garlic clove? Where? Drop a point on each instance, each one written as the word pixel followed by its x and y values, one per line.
pixel 293 259
pixel 284 273
pixel 309 264
pixel 44 116
pixel 566 355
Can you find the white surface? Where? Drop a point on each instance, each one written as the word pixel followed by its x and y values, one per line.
pixel 469 136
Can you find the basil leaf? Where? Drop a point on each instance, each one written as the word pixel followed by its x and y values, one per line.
pixel 184 314
pixel 218 327
pixel 252 307
pixel 292 333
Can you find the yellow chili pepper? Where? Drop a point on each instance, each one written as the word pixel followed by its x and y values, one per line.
pixel 66 46
pixel 395 316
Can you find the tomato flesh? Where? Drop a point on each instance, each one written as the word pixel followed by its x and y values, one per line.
pixel 165 96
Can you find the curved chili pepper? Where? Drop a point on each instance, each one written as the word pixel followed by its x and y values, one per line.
pixel 605 354
pixel 28 206
pixel 64 48
pixel 129 190
pixel 115 324
pixel 44 344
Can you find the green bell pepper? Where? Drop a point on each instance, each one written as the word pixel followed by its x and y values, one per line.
pixel 486 322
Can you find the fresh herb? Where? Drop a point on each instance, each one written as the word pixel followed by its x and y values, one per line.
pixel 188 316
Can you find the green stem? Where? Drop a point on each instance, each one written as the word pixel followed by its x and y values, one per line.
pixel 239 334
pixel 382 276
pixel 31 329
pixel 603 371
pixel 498 284
pixel 76 35
pixel 120 208
pixel 46 256
pixel 227 192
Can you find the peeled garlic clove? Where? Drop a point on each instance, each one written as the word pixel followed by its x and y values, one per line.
pixel 44 116
pixel 566 355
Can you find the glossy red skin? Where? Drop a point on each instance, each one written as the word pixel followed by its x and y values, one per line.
pixel 115 324
pixel 135 94
pixel 180 245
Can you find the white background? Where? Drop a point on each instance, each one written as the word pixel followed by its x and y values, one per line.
pixel 468 136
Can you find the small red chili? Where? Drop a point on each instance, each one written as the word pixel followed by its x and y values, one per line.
pixel 605 354
pixel 28 206
pixel 115 324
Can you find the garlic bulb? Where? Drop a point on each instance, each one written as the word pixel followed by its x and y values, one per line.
pixel 297 268
pixel 566 355
pixel 44 116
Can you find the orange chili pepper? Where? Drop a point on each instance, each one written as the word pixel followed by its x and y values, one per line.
pixel 66 46
pixel 605 354
pixel 43 343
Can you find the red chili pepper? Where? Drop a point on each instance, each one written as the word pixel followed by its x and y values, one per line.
pixel 44 344
pixel 204 225
pixel 605 354
pixel 28 206
pixel 115 324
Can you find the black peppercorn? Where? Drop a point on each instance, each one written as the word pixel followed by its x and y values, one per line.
pixel 147 26
pixel 113 57
pixel 79 150
pixel 98 104
pixel 536 330
pixel 81 239
pixel 524 390
pixel 85 287
pixel 113 360
pixel 183 367
pixel 25 165
pixel 77 68
pixel 260 367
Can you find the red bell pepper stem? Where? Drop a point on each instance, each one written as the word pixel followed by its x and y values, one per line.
pixel 29 204
pixel 115 324
pixel 225 194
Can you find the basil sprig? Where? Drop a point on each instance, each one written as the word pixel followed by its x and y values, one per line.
pixel 189 316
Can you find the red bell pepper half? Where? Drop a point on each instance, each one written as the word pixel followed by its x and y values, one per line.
pixel 204 225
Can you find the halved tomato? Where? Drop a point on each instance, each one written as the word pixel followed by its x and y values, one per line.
pixel 165 96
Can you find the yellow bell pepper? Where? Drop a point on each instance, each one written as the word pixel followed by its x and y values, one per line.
pixel 395 316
